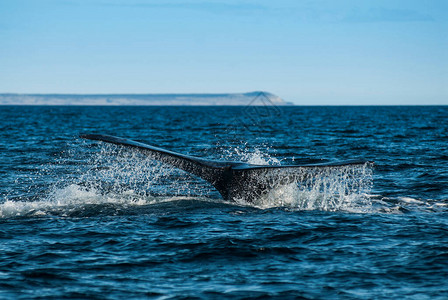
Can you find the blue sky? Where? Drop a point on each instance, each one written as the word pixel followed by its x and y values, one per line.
pixel 308 52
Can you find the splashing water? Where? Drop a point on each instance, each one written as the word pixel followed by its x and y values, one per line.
pixel 249 155
pixel 329 189
pixel 314 189
pixel 117 177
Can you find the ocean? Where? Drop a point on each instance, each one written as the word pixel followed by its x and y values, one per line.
pixel 82 219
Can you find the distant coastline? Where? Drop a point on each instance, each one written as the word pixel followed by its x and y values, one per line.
pixel 258 98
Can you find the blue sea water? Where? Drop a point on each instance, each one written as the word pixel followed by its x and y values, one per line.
pixel 82 219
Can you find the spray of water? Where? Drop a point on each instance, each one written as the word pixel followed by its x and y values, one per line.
pixel 117 177
pixel 329 189
pixel 246 154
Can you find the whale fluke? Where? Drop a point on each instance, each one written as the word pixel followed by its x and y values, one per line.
pixel 233 179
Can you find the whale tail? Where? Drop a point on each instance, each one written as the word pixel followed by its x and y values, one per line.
pixel 232 179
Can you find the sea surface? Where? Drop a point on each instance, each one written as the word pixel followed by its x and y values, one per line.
pixel 85 220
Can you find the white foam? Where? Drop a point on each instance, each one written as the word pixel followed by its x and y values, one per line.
pixel 409 200
pixel 62 201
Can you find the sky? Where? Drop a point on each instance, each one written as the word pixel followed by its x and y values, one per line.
pixel 322 52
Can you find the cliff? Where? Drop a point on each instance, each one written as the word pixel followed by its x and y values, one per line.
pixel 238 99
